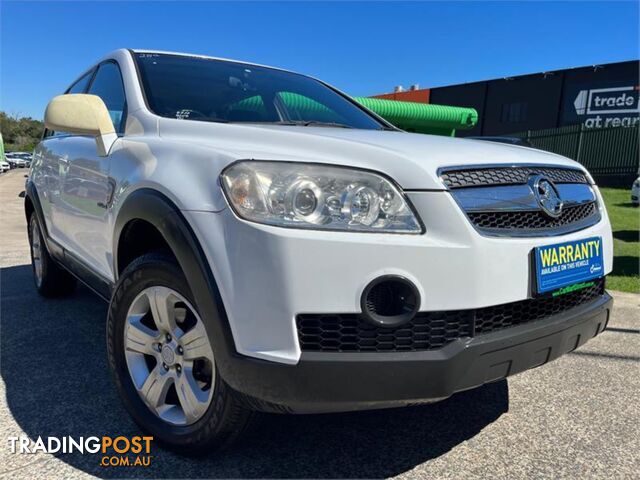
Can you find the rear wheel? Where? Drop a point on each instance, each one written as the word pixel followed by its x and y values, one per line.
pixel 163 362
pixel 51 280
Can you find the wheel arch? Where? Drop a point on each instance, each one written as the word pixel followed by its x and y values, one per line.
pixel 158 211
pixel 32 205
pixel 28 207
pixel 138 236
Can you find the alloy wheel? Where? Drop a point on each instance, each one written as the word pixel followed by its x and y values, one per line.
pixel 168 356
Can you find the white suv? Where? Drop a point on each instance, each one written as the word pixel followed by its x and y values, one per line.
pixel 266 243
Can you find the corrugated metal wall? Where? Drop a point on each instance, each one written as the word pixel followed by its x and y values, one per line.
pixel 604 151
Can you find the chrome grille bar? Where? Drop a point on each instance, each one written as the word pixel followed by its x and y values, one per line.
pixel 518 197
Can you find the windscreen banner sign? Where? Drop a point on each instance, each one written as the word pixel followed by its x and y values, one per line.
pixel 568 263
pixel 609 107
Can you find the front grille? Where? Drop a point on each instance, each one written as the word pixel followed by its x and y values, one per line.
pixel 501 201
pixel 430 330
pixel 508 176
pixel 536 220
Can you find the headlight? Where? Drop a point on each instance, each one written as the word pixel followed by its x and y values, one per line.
pixel 315 196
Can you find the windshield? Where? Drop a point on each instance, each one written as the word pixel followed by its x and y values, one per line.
pixel 222 91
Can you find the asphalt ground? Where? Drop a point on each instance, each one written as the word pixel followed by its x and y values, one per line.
pixel 577 417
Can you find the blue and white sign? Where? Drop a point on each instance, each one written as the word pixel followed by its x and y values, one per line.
pixel 567 263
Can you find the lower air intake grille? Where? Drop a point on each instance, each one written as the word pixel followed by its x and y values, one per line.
pixel 490 319
pixel 430 330
pixel 350 333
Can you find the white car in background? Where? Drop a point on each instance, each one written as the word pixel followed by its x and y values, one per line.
pixel 26 157
pixel 4 166
pixel 635 192
pixel 266 243
pixel 17 159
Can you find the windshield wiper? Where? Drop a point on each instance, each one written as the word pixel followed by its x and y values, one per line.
pixel 326 124
pixel 308 123
pixel 314 123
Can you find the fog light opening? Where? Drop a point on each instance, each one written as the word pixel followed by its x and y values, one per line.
pixel 390 301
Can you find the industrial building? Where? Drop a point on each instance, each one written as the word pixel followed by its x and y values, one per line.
pixel 590 114
pixel 597 96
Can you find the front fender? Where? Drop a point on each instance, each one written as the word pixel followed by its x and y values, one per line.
pixel 156 209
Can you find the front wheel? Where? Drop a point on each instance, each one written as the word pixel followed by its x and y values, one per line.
pixel 163 363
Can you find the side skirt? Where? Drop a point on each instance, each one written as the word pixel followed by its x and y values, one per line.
pixel 99 285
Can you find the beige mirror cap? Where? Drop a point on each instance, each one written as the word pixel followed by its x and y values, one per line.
pixel 78 113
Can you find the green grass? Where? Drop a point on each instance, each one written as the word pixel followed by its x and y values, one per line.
pixel 625 222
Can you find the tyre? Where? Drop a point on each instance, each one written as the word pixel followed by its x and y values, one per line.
pixel 51 280
pixel 163 363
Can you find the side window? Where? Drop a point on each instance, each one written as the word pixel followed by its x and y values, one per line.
pixel 81 85
pixel 107 84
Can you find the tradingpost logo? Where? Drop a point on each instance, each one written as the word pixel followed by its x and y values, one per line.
pixel 117 451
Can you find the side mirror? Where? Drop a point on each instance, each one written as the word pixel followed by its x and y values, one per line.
pixel 82 114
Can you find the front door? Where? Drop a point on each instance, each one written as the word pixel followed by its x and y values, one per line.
pixel 87 188
pixel 52 158
pixel 82 205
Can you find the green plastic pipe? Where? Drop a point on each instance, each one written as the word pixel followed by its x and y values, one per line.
pixel 422 117
pixel 411 116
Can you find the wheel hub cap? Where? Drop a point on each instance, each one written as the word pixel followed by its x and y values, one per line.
pixel 168 355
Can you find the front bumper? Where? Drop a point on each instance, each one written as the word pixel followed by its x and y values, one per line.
pixel 332 382
pixel 268 275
